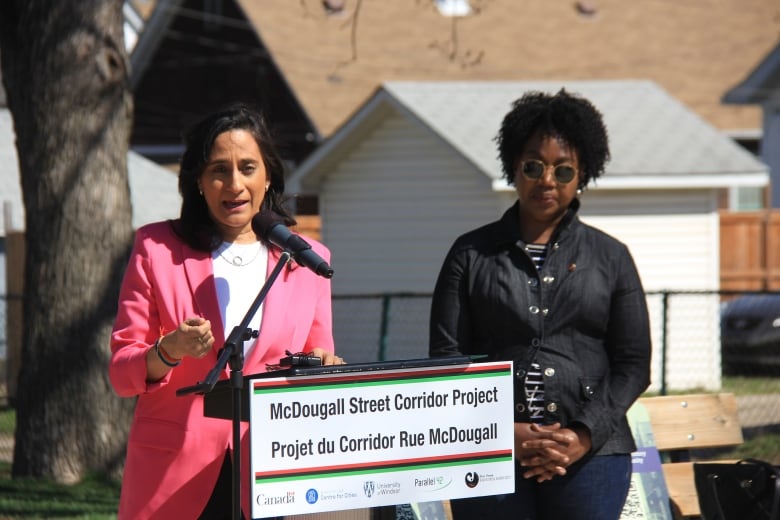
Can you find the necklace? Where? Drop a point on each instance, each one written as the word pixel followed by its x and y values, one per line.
pixel 237 252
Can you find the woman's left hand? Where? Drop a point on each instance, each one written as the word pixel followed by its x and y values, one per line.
pixel 328 358
pixel 581 442
pixel 564 444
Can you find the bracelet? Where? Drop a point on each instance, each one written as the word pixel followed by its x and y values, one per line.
pixel 164 356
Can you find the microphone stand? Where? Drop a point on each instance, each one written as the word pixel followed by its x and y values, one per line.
pixel 233 353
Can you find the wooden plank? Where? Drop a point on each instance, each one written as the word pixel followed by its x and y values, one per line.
pixel 694 421
pixel 690 421
pixel 682 488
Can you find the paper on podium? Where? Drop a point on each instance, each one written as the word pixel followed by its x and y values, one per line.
pixel 355 437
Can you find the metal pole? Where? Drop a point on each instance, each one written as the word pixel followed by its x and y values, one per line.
pixel 664 339
pixel 384 325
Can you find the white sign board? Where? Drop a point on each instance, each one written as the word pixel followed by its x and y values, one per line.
pixel 340 441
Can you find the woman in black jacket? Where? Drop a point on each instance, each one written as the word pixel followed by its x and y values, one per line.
pixel 564 301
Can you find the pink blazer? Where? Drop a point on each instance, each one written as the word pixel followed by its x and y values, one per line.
pixel 174 453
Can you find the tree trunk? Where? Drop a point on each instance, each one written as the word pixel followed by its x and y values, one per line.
pixel 65 73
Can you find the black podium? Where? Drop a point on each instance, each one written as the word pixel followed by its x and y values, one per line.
pixel 218 403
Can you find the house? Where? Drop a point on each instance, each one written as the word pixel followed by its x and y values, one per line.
pixel 762 87
pixel 416 166
pixel 189 58
pixel 312 63
pixel 333 54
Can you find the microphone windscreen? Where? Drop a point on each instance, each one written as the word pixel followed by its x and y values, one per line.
pixel 264 221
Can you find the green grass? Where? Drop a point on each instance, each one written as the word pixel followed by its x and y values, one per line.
pixel 7 421
pixel 95 498
pixel 92 499
pixel 751 385
pixel 766 447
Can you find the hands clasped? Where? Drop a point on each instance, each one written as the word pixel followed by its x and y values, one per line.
pixel 547 450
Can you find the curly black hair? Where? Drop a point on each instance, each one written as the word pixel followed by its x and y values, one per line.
pixel 195 225
pixel 567 116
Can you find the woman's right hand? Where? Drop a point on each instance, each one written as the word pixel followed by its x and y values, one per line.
pixel 192 338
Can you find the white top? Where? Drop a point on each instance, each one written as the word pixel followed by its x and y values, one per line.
pixel 239 273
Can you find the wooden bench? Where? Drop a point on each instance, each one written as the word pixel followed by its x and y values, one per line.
pixel 682 423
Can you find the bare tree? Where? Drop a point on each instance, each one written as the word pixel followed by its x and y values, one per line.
pixel 449 47
pixel 65 71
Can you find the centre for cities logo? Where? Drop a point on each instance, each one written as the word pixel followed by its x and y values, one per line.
pixel 369 486
pixel 472 479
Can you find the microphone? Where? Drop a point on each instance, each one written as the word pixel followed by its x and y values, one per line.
pixel 268 225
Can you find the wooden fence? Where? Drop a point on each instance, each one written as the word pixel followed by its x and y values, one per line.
pixel 750 251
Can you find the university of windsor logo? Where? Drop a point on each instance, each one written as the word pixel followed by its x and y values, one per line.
pixel 369 486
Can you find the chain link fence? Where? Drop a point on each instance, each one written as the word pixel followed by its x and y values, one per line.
pixel 685 331
pixel 685 328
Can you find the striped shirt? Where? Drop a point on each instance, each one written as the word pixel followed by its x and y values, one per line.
pixel 534 382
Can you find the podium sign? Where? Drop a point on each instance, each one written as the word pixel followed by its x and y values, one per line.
pixel 342 441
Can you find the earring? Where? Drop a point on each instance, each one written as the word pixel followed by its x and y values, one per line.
pixel 267 186
pixel 201 192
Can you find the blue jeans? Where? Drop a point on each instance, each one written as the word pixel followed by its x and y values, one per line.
pixel 593 489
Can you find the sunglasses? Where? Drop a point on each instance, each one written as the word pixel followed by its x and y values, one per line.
pixel 533 169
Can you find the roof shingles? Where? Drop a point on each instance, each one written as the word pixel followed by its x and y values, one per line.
pixel 694 50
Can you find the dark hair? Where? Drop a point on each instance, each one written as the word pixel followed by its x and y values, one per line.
pixel 566 116
pixel 195 225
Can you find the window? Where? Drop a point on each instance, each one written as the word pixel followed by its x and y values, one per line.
pixel 747 199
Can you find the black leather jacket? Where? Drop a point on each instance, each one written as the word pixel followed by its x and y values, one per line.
pixel 583 318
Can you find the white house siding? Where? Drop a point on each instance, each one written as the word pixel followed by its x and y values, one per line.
pixel 390 211
pixel 393 207
pixel 674 238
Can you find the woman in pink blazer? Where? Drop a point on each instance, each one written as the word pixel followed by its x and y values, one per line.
pixel 187 284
